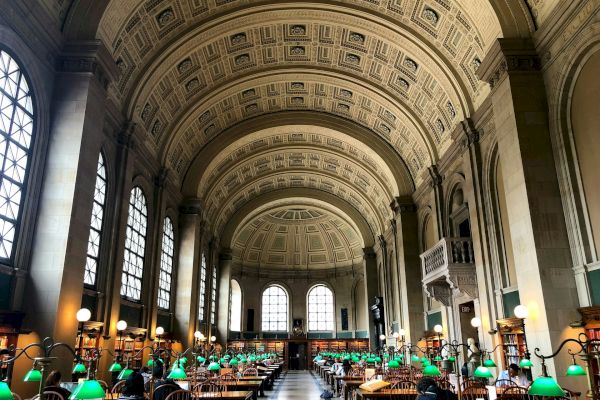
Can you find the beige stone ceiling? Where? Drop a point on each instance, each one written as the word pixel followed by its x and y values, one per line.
pixel 299 237
pixel 191 69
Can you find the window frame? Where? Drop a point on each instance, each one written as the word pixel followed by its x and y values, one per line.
pixel 144 236
pixel 163 253
pixel 202 289
pixel 25 204
pixel 308 311
pixel 263 314
pixel 100 232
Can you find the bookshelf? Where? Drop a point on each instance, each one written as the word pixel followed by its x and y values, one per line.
pixel 590 317
pixel 8 337
pixel 512 340
pixel 127 345
pixel 432 342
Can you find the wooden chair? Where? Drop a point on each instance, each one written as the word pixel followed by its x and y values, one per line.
pixel 50 395
pixel 209 386
pixel 475 392
pixel 444 383
pixel 477 382
pixel 118 388
pixel 504 383
pixel 513 393
pixel 180 395
pixel 250 372
pixel 16 396
pixel 104 385
pixel 228 377
pixel 404 385
pixel 163 391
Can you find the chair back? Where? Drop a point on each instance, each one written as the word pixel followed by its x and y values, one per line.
pixel 118 388
pixel 250 372
pixel 473 382
pixel 50 395
pixel 161 392
pixel 512 393
pixel 475 392
pixel 210 386
pixel 404 385
pixel 180 395
pixel 444 383
pixel 505 383
pixel 104 385
pixel 228 377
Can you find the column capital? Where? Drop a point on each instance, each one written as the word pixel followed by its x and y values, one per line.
pixel 403 205
pixel 161 178
pixel 191 207
pixel 507 56
pixel 89 56
pixel 436 177
pixel 470 134
pixel 369 253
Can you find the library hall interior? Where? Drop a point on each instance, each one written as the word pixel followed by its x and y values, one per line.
pixel 299 199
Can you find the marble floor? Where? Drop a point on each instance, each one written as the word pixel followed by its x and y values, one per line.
pixel 296 385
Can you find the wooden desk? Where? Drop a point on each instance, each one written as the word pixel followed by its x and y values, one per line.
pixel 237 395
pixel 253 386
pixel 395 394
pixel 349 385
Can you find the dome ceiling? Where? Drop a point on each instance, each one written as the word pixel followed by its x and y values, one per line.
pixel 297 238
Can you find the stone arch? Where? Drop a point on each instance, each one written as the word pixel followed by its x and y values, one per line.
pixel 455 205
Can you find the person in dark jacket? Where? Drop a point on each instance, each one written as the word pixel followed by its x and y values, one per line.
pixel 133 388
pixel 53 384
pixel 427 389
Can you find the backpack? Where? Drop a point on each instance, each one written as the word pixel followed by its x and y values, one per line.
pixel 327 394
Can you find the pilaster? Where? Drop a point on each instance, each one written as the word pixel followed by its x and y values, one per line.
pixel 224 283
pixel 371 290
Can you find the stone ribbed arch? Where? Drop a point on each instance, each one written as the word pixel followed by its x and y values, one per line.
pixel 297 196
pixel 322 181
pixel 311 90
pixel 286 123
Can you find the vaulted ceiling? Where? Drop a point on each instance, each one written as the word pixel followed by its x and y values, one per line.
pixel 349 101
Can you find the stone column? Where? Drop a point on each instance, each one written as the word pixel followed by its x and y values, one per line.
pixel 397 288
pixel 188 270
pixel 223 285
pixel 409 268
pixel 535 214
pixel 55 283
pixel 370 274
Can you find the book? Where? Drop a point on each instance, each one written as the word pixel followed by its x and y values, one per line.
pixel 374 385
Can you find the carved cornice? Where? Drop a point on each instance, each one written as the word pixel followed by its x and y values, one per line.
pixel 403 205
pixel 191 207
pixel 471 135
pixel 125 135
pixel 226 254
pixel 161 178
pixel 436 178
pixel 508 56
pixel 88 57
pixel 369 253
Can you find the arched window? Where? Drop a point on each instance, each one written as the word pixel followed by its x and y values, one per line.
pixel 235 307
pixel 320 309
pixel 16 130
pixel 135 246
pixel 166 265
pixel 202 299
pixel 213 295
pixel 274 309
pixel 93 251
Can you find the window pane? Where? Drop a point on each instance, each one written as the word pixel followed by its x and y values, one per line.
pixel 321 315
pixel 133 263
pixel 96 224
pixel 166 265
pixel 202 294
pixel 275 309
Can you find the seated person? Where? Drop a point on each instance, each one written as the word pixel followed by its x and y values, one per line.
pixel 427 389
pixel 162 387
pixel 53 384
pixel 514 374
pixel 133 388
pixel 345 369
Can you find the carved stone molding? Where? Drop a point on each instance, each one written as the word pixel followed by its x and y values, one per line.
pixel 89 57
pixel 191 207
pixel 403 205
pixel 436 178
pixel 508 56
pixel 471 135
pixel 369 253
pixel 439 290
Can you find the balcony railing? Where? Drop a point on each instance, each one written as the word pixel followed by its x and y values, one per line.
pixel 449 266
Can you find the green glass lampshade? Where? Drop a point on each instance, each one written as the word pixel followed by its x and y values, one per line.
pixel 233 361
pixel 370 360
pixel 378 359
pixel 575 370
pixel 525 363
pixel 244 360
pixel 437 358
pixel 489 363
pixel 252 358
pixel 482 372
pixel 116 367
pixel 355 359
pixel 5 393
pixel 347 358
pixel 214 367
pixel 150 363
pixel 424 360
pixel 545 386
pixel 227 356
pixel 415 358
pixel 125 373
pixel 364 357
pixel 201 359
pixel 393 364
pixel 431 370
pixel 214 358
pixel 33 375
pixel 177 373
pixel 386 356
pixel 451 359
pixel 183 361
pixel 88 390
pixel 79 368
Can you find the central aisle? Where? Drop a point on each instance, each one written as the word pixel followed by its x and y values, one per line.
pixel 297 385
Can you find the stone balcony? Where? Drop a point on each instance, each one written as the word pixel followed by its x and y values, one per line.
pixel 449 270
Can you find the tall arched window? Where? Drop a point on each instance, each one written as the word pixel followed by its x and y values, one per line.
pixel 274 309
pixel 166 265
pixel 93 251
pixel 213 295
pixel 16 130
pixel 135 246
pixel 320 309
pixel 235 307
pixel 202 299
